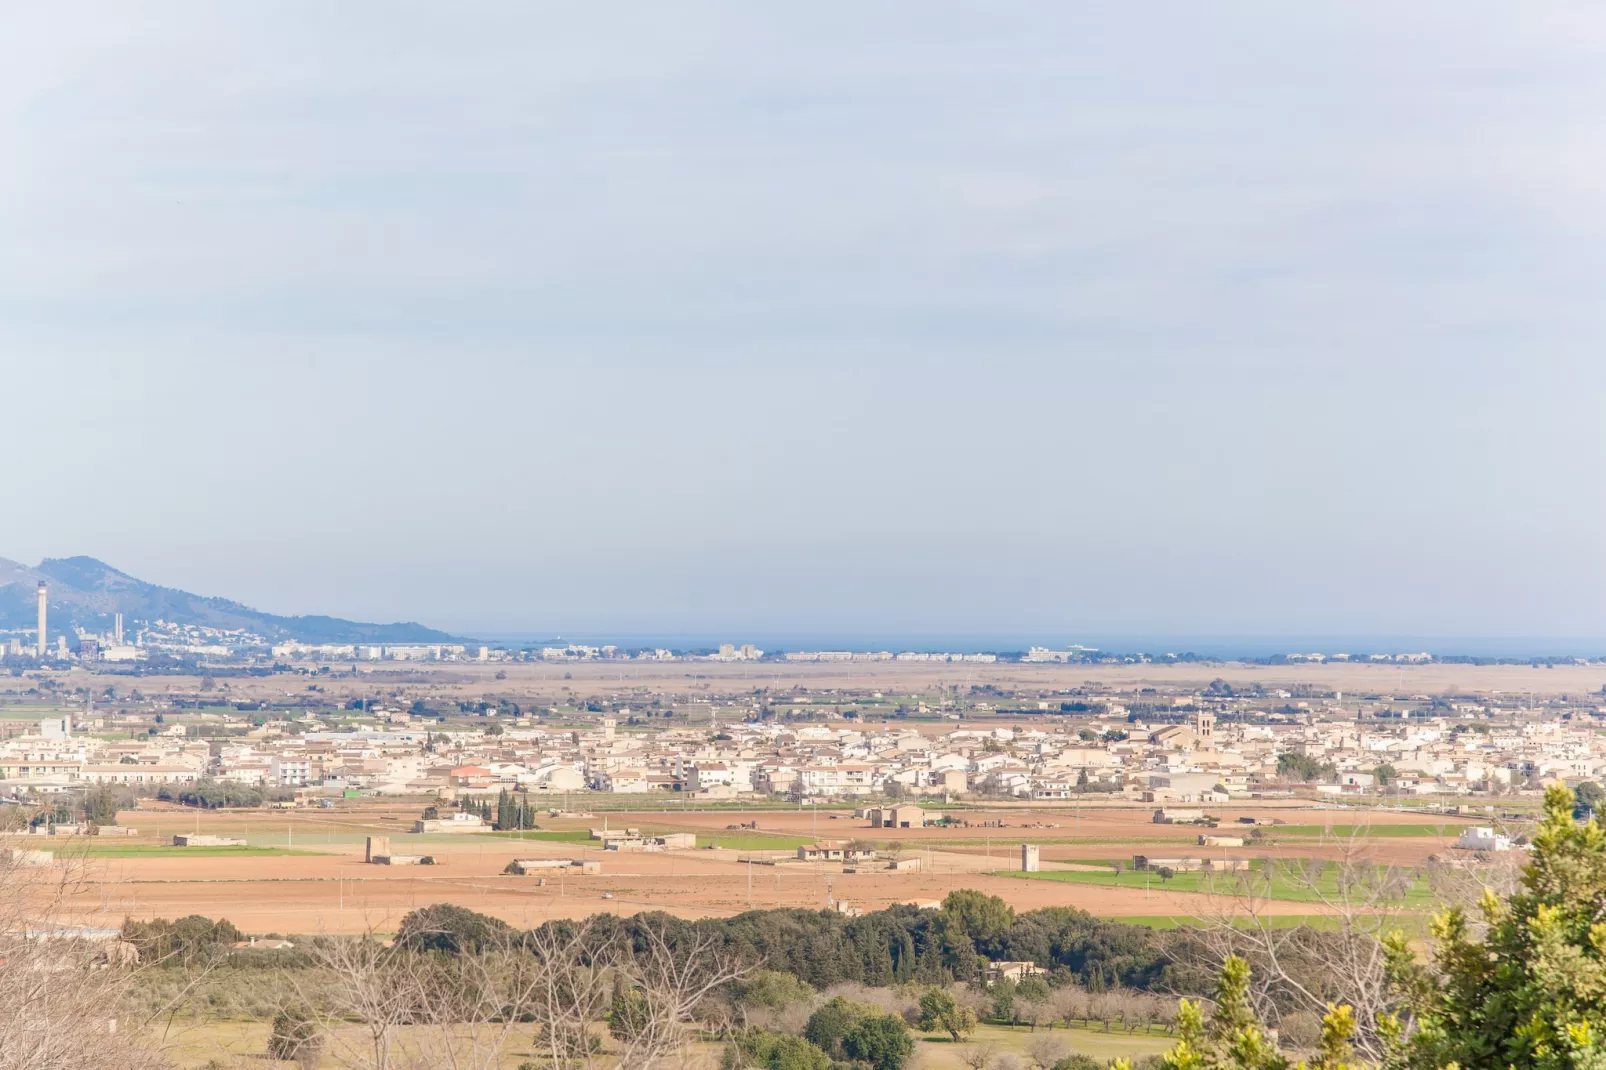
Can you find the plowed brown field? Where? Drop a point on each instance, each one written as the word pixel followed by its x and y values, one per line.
pixel 333 890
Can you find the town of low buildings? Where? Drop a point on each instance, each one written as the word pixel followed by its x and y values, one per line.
pixel 1181 753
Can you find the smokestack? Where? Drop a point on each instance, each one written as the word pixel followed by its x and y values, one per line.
pixel 119 629
pixel 44 592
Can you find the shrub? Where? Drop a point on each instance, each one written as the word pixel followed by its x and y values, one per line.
pixel 775 1051
pixel 295 1037
pixel 1078 1061
pixel 833 1021
pixel 940 1011
pixel 882 1040
pixel 774 990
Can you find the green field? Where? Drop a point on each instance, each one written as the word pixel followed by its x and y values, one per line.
pixel 1183 921
pixel 1267 878
pixel 570 836
pixel 162 850
pixel 197 1043
pixel 752 841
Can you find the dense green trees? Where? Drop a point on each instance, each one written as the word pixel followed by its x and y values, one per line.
pixel 101 804
pixel 894 946
pixel 968 919
pixel 452 929
pixel 853 1031
pixel 213 794
pixel 513 811
pixel 185 940
pixel 1588 799
pixel 1303 767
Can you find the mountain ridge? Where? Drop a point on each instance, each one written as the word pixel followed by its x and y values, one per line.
pixel 85 592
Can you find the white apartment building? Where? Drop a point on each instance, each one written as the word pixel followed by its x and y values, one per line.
pixel 290 772
pixel 138 775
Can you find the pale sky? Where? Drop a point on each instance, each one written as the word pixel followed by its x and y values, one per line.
pixel 852 318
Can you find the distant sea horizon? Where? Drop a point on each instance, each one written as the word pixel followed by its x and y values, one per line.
pixel 1224 647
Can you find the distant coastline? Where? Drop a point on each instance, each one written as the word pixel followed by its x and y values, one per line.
pixel 1223 647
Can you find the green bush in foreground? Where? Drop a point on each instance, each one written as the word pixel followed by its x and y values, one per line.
pixel 775 1051
pixel 1235 1039
pixel 1531 993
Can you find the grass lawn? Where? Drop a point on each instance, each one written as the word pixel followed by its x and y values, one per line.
pixel 242 1043
pixel 940 1053
pixel 1271 878
pixel 162 850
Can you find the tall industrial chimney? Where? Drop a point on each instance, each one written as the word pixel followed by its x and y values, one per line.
pixel 44 593
pixel 119 629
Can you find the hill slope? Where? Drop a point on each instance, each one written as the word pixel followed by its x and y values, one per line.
pixel 86 592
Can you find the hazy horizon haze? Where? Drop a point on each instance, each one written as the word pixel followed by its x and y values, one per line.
pixel 962 320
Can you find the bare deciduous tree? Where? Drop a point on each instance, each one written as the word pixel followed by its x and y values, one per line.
pixel 62 981
pixel 979 1056
pixel 548 990
pixel 1308 967
pixel 1033 1011
pixel 1045 1050
pixel 1070 1005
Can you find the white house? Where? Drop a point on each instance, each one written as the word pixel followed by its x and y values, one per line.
pixel 1483 838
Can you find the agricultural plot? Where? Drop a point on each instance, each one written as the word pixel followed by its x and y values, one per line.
pixel 1291 881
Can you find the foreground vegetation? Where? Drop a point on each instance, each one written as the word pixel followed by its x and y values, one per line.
pixel 1522 989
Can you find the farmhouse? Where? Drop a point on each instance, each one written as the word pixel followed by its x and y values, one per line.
pixel 896 817
pixel 835 851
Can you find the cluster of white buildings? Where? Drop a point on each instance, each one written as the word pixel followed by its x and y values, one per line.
pixel 883 655
pixel 1185 756
pixel 1420 658
pixel 296 651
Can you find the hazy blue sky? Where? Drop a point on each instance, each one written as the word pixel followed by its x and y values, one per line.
pixel 1053 319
